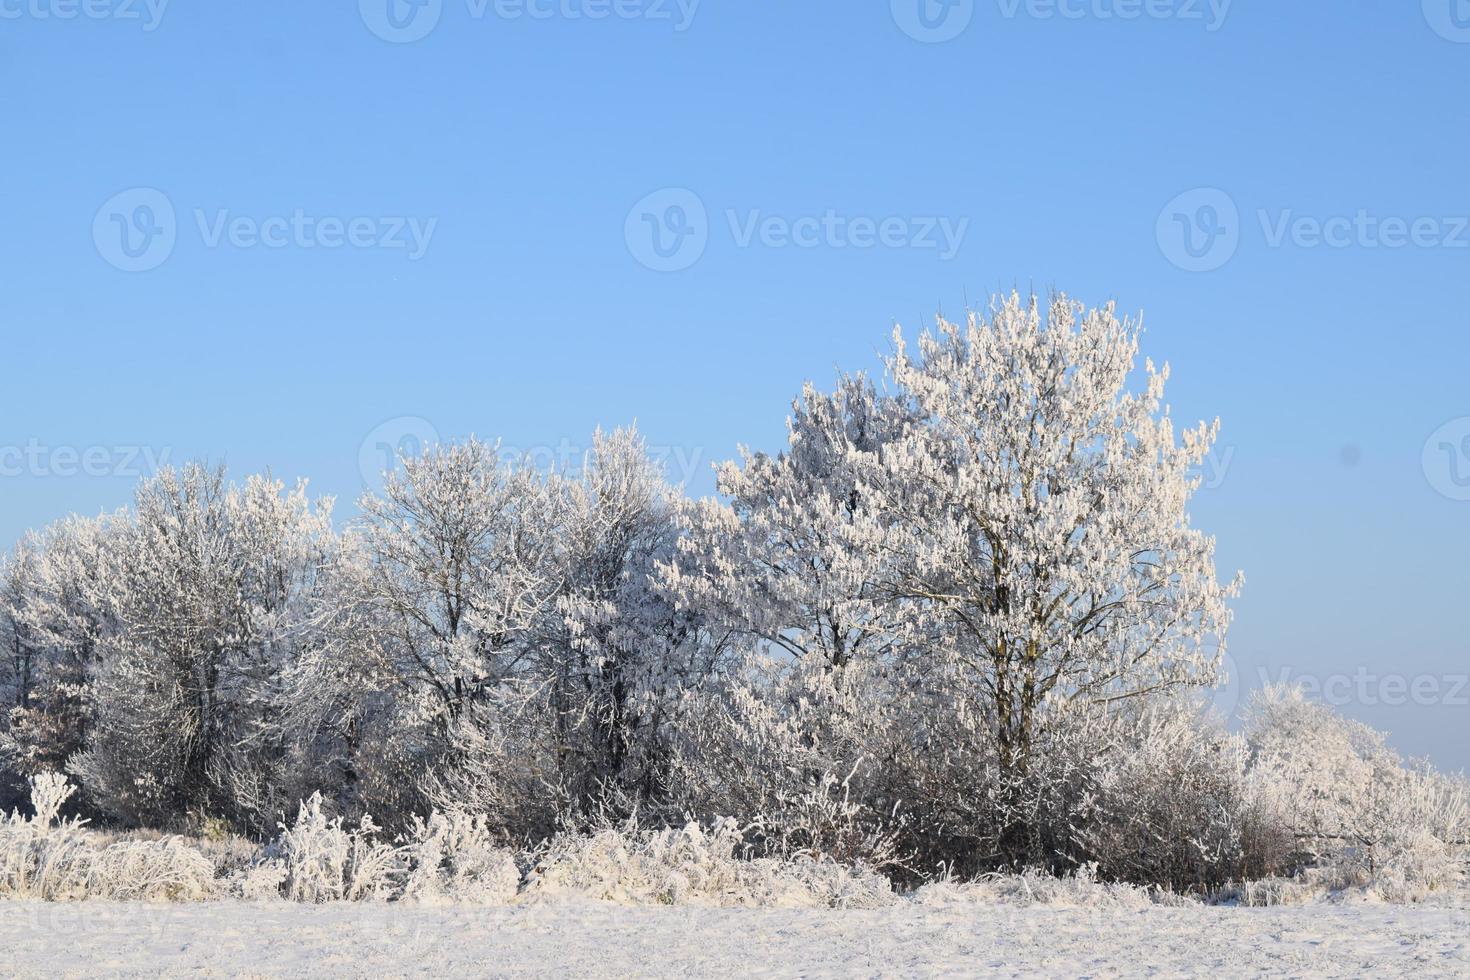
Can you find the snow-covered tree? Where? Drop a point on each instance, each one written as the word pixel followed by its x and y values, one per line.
pixel 799 734
pixel 621 654
pixel 1004 530
pixel 211 588
pixel 782 561
pixel 585 720
pixel 57 602
pixel 427 608
pixel 1035 515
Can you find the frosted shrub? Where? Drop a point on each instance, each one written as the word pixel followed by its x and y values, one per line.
pixel 51 858
pixel 1358 817
pixel 1157 797
pixel 1081 889
pixel 794 755
pixel 325 861
pixel 168 870
pixel 260 881
pixel 695 865
pixel 49 792
pixel 454 857
pixel 43 856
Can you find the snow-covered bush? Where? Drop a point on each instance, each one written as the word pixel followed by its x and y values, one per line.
pixel 1080 889
pixel 1154 794
pixel 325 861
pixel 694 865
pixel 171 869
pixel 318 858
pixel 796 754
pixel 51 858
pixel 455 857
pixel 44 856
pixel 1355 813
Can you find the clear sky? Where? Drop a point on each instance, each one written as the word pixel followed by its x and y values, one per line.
pixel 264 232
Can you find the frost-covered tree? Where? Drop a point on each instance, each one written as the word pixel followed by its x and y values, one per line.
pixel 57 602
pixel 782 560
pixel 1036 515
pixel 427 608
pixel 798 735
pixel 210 594
pixel 1006 528
pixel 586 719
pixel 623 653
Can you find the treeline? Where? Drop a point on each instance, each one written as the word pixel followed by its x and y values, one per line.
pixel 952 626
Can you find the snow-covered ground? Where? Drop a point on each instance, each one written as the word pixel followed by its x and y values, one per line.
pixel 584 939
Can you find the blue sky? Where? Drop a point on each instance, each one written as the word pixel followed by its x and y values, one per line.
pixel 816 172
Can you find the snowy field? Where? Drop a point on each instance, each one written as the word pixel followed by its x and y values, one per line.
pixel 372 939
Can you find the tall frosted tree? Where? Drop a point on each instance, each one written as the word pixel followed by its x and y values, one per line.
pixel 1004 528
pixel 779 561
pixel 1036 515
